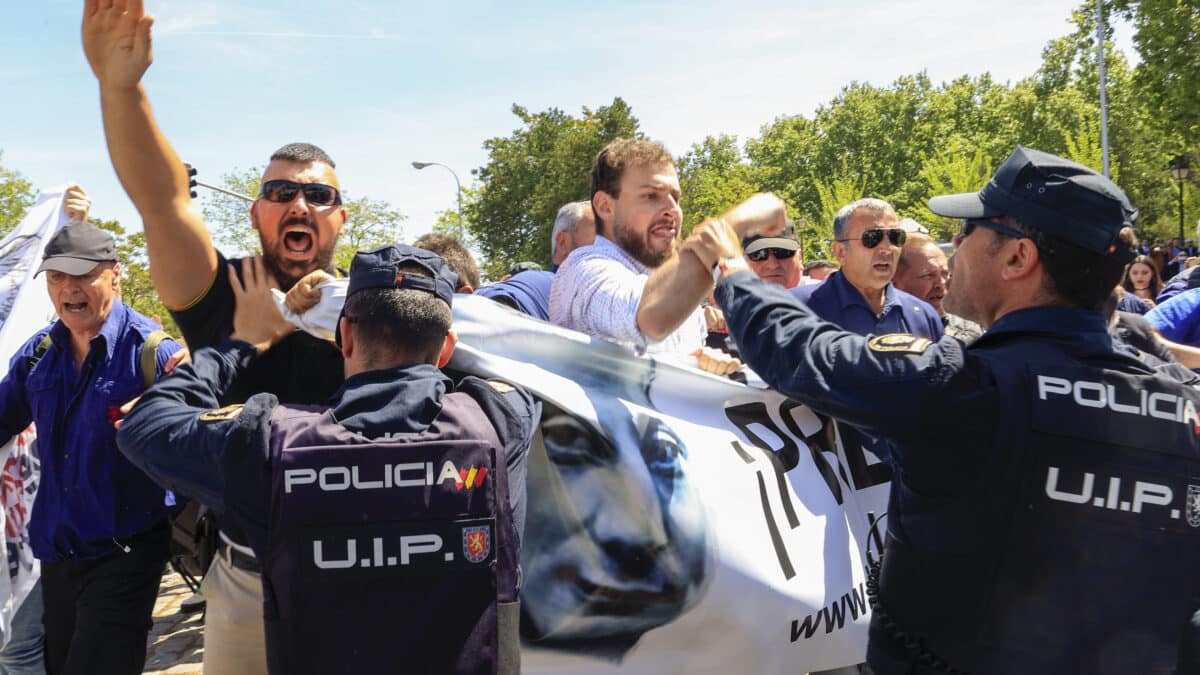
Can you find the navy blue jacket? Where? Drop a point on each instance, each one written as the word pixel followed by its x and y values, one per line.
pixel 838 301
pixel 178 434
pixel 88 493
pixel 960 423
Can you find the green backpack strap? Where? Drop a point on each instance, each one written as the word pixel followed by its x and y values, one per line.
pixel 149 361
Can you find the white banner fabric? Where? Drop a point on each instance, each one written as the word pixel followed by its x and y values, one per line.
pixel 25 308
pixel 679 522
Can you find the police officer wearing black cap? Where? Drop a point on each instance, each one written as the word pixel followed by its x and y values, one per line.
pixel 388 524
pixel 1046 493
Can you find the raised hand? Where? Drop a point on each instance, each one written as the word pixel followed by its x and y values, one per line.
pixel 257 318
pixel 116 41
pixel 764 213
pixel 76 203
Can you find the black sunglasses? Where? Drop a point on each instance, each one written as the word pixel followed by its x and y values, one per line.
pixel 872 237
pixel 969 225
pixel 763 253
pixel 284 191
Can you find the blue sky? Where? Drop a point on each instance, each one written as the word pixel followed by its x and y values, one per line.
pixel 379 84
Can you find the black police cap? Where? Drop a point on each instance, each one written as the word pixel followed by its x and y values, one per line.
pixel 1056 196
pixel 381 268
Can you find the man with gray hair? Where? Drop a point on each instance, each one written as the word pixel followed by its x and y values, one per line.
pixel 574 227
pixel 860 296
pixel 529 291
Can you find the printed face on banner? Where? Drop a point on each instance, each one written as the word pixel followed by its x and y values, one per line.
pixel 616 541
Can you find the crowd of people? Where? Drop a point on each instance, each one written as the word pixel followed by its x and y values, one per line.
pixel 1045 362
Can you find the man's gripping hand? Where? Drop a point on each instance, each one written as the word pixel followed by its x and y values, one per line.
pixel 257 318
pixel 116 41
pixel 717 238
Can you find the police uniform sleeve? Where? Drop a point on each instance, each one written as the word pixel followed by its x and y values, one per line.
pixel 514 413
pixel 884 384
pixel 178 433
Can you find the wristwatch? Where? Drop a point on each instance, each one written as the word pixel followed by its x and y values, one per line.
pixel 730 263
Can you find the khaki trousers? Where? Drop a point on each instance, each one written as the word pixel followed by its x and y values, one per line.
pixel 234 639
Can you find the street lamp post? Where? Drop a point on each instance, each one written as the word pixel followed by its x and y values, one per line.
pixel 457 184
pixel 1179 171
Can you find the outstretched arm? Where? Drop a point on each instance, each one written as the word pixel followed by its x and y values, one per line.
pixel 116 41
pixel 678 287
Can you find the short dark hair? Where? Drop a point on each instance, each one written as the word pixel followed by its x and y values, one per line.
pixel 302 153
pixel 455 254
pixel 609 166
pixel 392 323
pixel 1074 276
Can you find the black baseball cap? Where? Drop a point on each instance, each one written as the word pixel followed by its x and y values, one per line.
pixel 785 239
pixel 380 268
pixel 77 248
pixel 1056 196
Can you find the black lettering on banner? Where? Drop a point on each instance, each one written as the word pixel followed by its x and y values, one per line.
pixel 785 562
pixel 818 444
pixel 833 616
pixel 746 414
pixel 737 447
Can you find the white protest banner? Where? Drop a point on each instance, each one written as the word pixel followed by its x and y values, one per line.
pixel 679 522
pixel 25 308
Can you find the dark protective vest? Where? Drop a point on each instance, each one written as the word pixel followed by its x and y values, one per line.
pixel 390 555
pixel 1093 496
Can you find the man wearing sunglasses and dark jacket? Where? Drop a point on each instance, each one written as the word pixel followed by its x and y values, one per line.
pixel 860 296
pixel 298 215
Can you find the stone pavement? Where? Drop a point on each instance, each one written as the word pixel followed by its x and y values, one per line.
pixel 176 642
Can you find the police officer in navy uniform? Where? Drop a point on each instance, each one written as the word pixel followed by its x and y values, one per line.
pixel 1046 492
pixel 388 524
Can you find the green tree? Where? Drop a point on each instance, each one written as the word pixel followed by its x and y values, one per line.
pixel 1167 38
pixel 531 173
pixel 369 222
pixel 832 194
pixel 713 177
pixel 950 173
pixel 16 196
pixel 137 290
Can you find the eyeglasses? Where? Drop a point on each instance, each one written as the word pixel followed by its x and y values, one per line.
pixel 284 191
pixel 874 236
pixel 969 225
pixel 763 253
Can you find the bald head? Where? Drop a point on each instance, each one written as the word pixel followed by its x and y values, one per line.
pixel 923 270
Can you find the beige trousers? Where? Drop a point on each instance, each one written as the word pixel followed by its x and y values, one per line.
pixel 234 640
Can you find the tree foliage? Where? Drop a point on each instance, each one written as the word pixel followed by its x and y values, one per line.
pixel 16 196
pixel 137 290
pixel 543 164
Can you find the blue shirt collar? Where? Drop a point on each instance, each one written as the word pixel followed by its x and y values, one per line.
pixel 848 295
pixel 110 331
pixel 403 398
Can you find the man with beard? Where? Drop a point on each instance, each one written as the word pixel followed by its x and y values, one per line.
pixel 298 215
pixel 924 272
pixel 630 286
pixel 860 296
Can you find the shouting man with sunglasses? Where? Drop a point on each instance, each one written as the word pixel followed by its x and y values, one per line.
pixel 1043 514
pixel 860 296
pixel 298 215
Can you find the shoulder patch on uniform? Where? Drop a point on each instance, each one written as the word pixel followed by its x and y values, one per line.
pixel 502 387
pixel 220 414
pixel 899 342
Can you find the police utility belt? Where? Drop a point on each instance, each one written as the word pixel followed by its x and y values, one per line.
pixel 241 557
